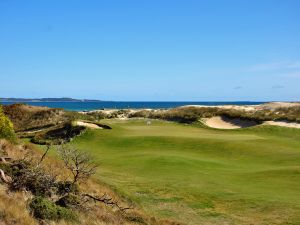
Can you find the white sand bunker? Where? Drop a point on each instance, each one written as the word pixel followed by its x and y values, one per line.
pixel 89 125
pixel 228 123
pixel 283 124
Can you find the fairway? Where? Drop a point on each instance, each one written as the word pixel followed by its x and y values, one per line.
pixel 198 175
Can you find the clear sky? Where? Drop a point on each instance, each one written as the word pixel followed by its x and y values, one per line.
pixel 151 49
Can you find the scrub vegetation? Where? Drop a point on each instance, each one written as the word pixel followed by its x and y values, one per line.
pixel 192 114
pixel 6 126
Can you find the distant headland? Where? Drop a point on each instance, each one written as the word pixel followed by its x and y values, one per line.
pixel 64 99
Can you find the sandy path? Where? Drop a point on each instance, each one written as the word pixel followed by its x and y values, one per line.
pixel 89 125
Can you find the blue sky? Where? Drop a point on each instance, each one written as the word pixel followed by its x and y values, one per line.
pixel 151 49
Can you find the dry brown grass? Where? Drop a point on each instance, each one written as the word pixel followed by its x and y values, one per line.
pixel 13 205
pixel 13 209
pixel 25 117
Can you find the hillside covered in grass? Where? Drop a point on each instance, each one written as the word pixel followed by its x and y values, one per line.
pixel 54 185
pixel 163 166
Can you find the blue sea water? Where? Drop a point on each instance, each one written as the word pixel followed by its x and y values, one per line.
pixel 82 106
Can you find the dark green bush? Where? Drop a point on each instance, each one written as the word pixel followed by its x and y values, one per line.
pixel 7 169
pixel 65 187
pixel 43 208
pixel 14 169
pixel 69 201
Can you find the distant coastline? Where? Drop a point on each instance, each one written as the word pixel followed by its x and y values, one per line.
pixel 88 105
pixel 47 100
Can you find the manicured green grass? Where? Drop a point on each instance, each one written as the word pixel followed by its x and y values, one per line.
pixel 199 175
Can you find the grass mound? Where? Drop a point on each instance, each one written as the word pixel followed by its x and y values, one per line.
pixel 25 117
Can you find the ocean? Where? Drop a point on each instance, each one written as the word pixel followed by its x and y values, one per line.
pixel 86 106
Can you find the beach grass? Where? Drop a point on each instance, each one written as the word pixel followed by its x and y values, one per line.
pixel 199 175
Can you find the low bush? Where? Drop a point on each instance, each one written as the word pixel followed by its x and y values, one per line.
pixel 43 208
pixel 69 201
pixel 33 179
pixel 65 187
pixel 6 127
pixel 7 169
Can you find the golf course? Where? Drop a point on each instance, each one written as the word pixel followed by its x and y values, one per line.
pixel 199 175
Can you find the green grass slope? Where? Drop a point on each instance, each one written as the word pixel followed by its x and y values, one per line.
pixel 198 175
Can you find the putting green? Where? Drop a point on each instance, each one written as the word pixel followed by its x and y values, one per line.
pixel 200 175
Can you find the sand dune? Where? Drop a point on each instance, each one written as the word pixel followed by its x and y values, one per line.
pixel 269 106
pixel 235 107
pixel 276 105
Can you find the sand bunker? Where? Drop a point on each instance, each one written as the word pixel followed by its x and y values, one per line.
pixel 89 125
pixel 283 124
pixel 228 123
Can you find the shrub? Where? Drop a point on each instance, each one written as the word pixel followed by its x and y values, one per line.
pixel 69 201
pixel 6 127
pixel 8 170
pixel 65 187
pixel 34 180
pixel 43 208
pixel 79 163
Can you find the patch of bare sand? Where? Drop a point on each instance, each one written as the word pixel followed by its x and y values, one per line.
pixel 283 124
pixel 89 125
pixel 227 123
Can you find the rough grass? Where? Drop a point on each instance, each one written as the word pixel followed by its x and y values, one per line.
pixel 192 114
pixel 14 206
pixel 26 117
pixel 13 209
pixel 199 175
